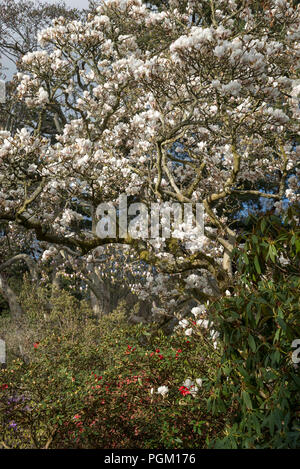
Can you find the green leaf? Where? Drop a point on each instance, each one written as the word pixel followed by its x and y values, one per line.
pixel 245 257
pixel 281 323
pixel 252 343
pixel 247 400
pixel 263 225
pixel 257 266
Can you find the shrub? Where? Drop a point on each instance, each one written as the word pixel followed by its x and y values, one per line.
pixel 258 324
pixel 89 384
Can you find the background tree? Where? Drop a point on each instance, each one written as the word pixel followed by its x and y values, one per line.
pixel 166 110
pixel 20 23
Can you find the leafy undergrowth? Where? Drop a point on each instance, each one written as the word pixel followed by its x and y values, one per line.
pixel 109 385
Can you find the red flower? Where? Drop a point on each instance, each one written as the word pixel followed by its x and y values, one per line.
pixel 184 390
pixel 36 344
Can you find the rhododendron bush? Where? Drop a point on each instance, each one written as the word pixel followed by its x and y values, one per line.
pixel 89 384
pixel 260 325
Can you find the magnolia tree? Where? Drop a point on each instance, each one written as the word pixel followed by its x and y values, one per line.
pixel 19 23
pixel 193 104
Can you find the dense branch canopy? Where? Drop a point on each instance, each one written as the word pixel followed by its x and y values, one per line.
pixel 194 102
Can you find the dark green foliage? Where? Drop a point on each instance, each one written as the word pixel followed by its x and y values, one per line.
pixel 257 378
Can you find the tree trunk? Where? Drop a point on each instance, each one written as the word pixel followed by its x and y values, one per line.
pixel 227 264
pixel 14 306
pixel 99 294
pixel 95 304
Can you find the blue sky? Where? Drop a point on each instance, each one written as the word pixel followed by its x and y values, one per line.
pixel 77 3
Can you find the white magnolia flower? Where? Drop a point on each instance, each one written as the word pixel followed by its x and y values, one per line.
pixel 188 383
pixel 32 168
pixel 184 323
pixel 198 310
pixel 193 390
pixel 163 390
pixel 43 96
pixel 203 323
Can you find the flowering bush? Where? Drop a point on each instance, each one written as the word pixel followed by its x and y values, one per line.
pixel 109 384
